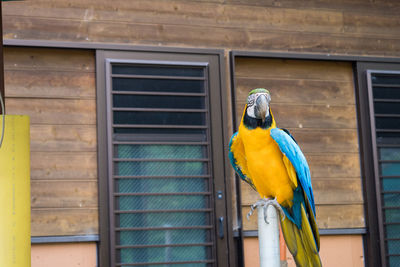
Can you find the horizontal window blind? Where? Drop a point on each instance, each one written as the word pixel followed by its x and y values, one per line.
pixel 162 206
pixel 385 87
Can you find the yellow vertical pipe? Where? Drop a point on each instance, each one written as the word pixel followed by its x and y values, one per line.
pixel 15 208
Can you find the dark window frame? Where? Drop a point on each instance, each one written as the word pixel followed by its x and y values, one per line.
pixel 374 240
pixel 214 61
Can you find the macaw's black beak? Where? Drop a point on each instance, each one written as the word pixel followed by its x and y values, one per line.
pixel 261 107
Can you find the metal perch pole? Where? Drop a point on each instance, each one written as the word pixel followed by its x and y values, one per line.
pixel 268 236
pixel 268 233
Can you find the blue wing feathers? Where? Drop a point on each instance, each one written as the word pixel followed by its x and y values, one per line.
pixel 233 160
pixel 289 147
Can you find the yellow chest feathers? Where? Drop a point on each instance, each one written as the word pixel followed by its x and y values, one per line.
pixel 265 164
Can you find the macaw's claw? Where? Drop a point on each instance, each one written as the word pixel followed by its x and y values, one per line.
pixel 264 203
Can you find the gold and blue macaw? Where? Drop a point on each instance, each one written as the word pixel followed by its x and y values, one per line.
pixel 269 159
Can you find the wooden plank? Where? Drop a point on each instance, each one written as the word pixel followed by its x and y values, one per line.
pixel 33 28
pixel 326 192
pixel 328 217
pixel 326 140
pixel 292 41
pixel 197 36
pixel 68 138
pixel 382 24
pixel 61 9
pixel 337 191
pixel 214 14
pixel 54 111
pixel 63 165
pixel 293 69
pixel 340 216
pixel 232 16
pixel 59 222
pixel 310 116
pixel 52 59
pixel 390 6
pixel 329 165
pixel 299 90
pixel 50 84
pixel 63 194
pixel 184 13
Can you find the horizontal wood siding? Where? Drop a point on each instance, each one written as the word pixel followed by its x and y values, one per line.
pixel 315 101
pixel 56 88
pixel 332 216
pixel 354 27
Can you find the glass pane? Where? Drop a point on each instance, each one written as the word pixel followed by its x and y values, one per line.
pixel 157 70
pixel 146 101
pixel 169 236
pixel 168 219
pixel 393 231
pixel 387 123
pixel 159 168
pixel 394 261
pixel 385 78
pixel 392 215
pixel 393 246
pixel 159 85
pixel 386 92
pixel 160 118
pixel 389 153
pixel 170 185
pixel 390 169
pixel 392 200
pixel 391 184
pixel 188 253
pixel 386 108
pixel 162 202
pixel 160 151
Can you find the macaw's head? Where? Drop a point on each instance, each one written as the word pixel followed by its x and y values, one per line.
pixel 257 112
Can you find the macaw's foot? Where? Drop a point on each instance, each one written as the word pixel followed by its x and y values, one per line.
pixel 264 203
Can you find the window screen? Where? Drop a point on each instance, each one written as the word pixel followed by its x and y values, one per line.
pixel 161 196
pixel 385 107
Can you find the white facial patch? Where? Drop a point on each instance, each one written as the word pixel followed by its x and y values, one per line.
pixel 250 111
pixel 251 104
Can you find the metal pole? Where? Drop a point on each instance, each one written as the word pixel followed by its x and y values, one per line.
pixel 268 236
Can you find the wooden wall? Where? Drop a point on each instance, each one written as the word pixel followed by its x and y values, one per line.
pixel 356 27
pixel 315 101
pixel 56 88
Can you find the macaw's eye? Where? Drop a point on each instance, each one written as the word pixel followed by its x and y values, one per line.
pixel 250 102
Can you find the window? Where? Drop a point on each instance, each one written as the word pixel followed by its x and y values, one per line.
pixel 380 116
pixel 163 161
pixel 384 89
